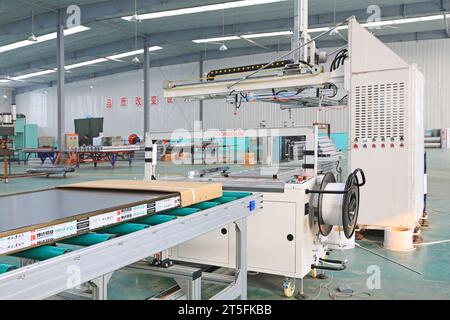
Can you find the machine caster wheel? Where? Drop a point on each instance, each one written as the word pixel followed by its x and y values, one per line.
pixel 314 273
pixel 289 288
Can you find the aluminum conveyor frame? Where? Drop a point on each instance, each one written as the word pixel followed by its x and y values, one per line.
pixel 96 263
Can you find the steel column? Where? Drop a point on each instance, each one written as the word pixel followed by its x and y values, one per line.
pixel 60 77
pixel 146 86
pixel 300 27
pixel 201 71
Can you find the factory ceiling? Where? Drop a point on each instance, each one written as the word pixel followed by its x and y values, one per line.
pixel 109 41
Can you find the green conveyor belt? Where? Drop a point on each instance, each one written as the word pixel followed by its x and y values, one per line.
pixel 155 219
pixel 182 212
pixel 125 228
pixel 223 200
pixel 87 239
pixel 238 195
pixel 205 205
pixel 47 252
pixel 42 253
pixel 6 267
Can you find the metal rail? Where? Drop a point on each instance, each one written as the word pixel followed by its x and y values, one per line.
pixel 95 263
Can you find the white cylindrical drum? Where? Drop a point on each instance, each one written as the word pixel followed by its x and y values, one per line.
pixel 332 205
pixel 398 239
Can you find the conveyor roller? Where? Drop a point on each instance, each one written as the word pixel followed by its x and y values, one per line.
pixel 42 253
pixel 87 239
pixel 155 219
pixel 126 228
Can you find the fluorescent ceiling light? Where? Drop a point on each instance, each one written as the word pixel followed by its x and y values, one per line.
pixel 324 29
pixel 245 36
pixel 34 74
pixel 268 34
pixel 386 23
pixel 207 8
pixel 132 53
pixel 85 63
pixel 43 38
pixel 216 39
pixel 4 80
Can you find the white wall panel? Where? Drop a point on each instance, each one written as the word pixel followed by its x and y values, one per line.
pixel 433 59
pixel 5 100
pixel 431 56
pixel 88 99
pixel 220 115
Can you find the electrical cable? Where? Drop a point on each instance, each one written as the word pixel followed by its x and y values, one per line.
pixel 334 295
pixel 389 259
pixel 432 242
pixel 339 59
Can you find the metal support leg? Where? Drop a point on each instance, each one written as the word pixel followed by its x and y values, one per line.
pixel 189 279
pixel 191 287
pixel 151 154
pixel 100 287
pixel 241 256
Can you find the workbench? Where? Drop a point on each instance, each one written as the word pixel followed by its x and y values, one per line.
pixel 95 157
pixel 112 229
pixel 42 153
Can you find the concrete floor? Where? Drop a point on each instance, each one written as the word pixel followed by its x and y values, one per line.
pixel 432 261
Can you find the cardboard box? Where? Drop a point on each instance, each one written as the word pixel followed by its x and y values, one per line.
pixel 249 159
pixel 46 142
pixel 71 141
pixel 175 156
pixel 190 192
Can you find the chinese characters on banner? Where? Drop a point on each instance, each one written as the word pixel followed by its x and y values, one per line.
pixel 154 100
pixel 138 101
pixel 123 102
pixel 170 100
pixel 109 103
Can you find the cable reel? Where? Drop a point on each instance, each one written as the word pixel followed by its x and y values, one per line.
pixel 337 204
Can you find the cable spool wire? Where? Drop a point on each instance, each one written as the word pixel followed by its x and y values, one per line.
pixel 337 204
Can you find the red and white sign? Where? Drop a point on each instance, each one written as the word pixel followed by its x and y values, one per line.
pixel 154 100
pixel 123 102
pixel 109 103
pixel 170 100
pixel 138 101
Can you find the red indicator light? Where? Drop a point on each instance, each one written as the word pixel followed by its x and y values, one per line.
pixel 383 145
pixel 355 146
pixel 392 145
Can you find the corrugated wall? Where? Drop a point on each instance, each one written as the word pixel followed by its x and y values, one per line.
pixel 5 100
pixel 432 57
pixel 88 99
pixel 220 115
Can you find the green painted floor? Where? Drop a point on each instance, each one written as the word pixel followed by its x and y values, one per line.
pixel 396 282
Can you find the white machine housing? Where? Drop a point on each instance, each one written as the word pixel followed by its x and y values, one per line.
pixel 280 238
pixel 386 135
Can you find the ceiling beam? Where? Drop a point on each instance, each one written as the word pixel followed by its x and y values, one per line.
pixel 171 37
pixel 212 55
pixel 114 9
pixel 89 13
